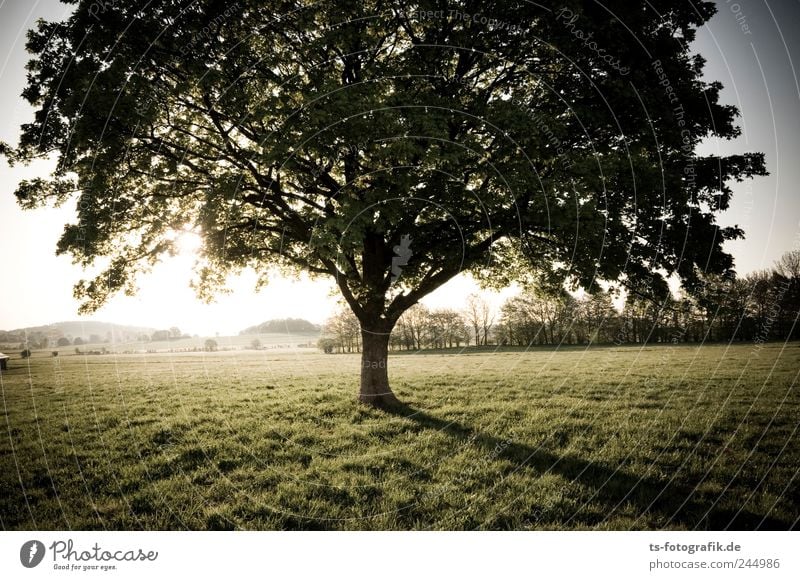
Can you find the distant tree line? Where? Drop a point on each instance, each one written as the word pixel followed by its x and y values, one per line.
pixel 41 339
pixel 758 307
pixel 75 333
pixel 281 325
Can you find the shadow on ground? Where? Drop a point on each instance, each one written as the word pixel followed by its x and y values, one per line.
pixel 673 504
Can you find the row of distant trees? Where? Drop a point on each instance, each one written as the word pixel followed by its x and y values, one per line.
pixel 418 328
pixel 40 340
pixel 758 307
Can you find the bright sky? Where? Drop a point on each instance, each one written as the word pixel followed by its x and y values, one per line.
pixel 756 69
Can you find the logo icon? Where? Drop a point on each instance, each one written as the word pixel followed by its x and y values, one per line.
pixel 402 254
pixel 31 553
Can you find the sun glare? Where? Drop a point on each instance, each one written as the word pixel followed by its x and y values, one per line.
pixel 187 243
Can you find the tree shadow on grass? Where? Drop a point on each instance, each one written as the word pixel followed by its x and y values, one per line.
pixel 671 504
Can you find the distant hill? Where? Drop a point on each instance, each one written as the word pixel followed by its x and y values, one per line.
pixel 282 326
pixel 76 328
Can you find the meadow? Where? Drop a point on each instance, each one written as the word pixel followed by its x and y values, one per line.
pixel 655 437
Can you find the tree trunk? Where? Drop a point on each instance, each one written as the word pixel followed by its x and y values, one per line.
pixel 375 389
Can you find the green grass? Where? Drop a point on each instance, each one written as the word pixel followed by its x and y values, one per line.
pixel 673 437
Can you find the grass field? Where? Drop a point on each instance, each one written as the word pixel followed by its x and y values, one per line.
pixel 674 437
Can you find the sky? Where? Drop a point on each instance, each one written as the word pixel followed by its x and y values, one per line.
pixel 750 46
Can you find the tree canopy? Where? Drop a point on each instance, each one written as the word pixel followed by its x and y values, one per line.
pixel 389 144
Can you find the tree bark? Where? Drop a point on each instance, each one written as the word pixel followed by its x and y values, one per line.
pixel 375 388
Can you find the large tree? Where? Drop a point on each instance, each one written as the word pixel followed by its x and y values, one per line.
pixel 390 145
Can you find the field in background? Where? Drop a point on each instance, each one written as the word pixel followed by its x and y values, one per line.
pixel 268 341
pixel 236 342
pixel 677 437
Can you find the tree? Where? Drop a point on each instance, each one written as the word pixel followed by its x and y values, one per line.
pixel 479 316
pixel 788 266
pixel 447 328
pixel 175 332
pixel 517 323
pixel 412 326
pixel 535 316
pixel 78 341
pixel 63 341
pixel 211 345
pixel 344 330
pixel 326 344
pixel 598 317
pixel 255 344
pixel 384 144
pixel 787 283
pixel 160 335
